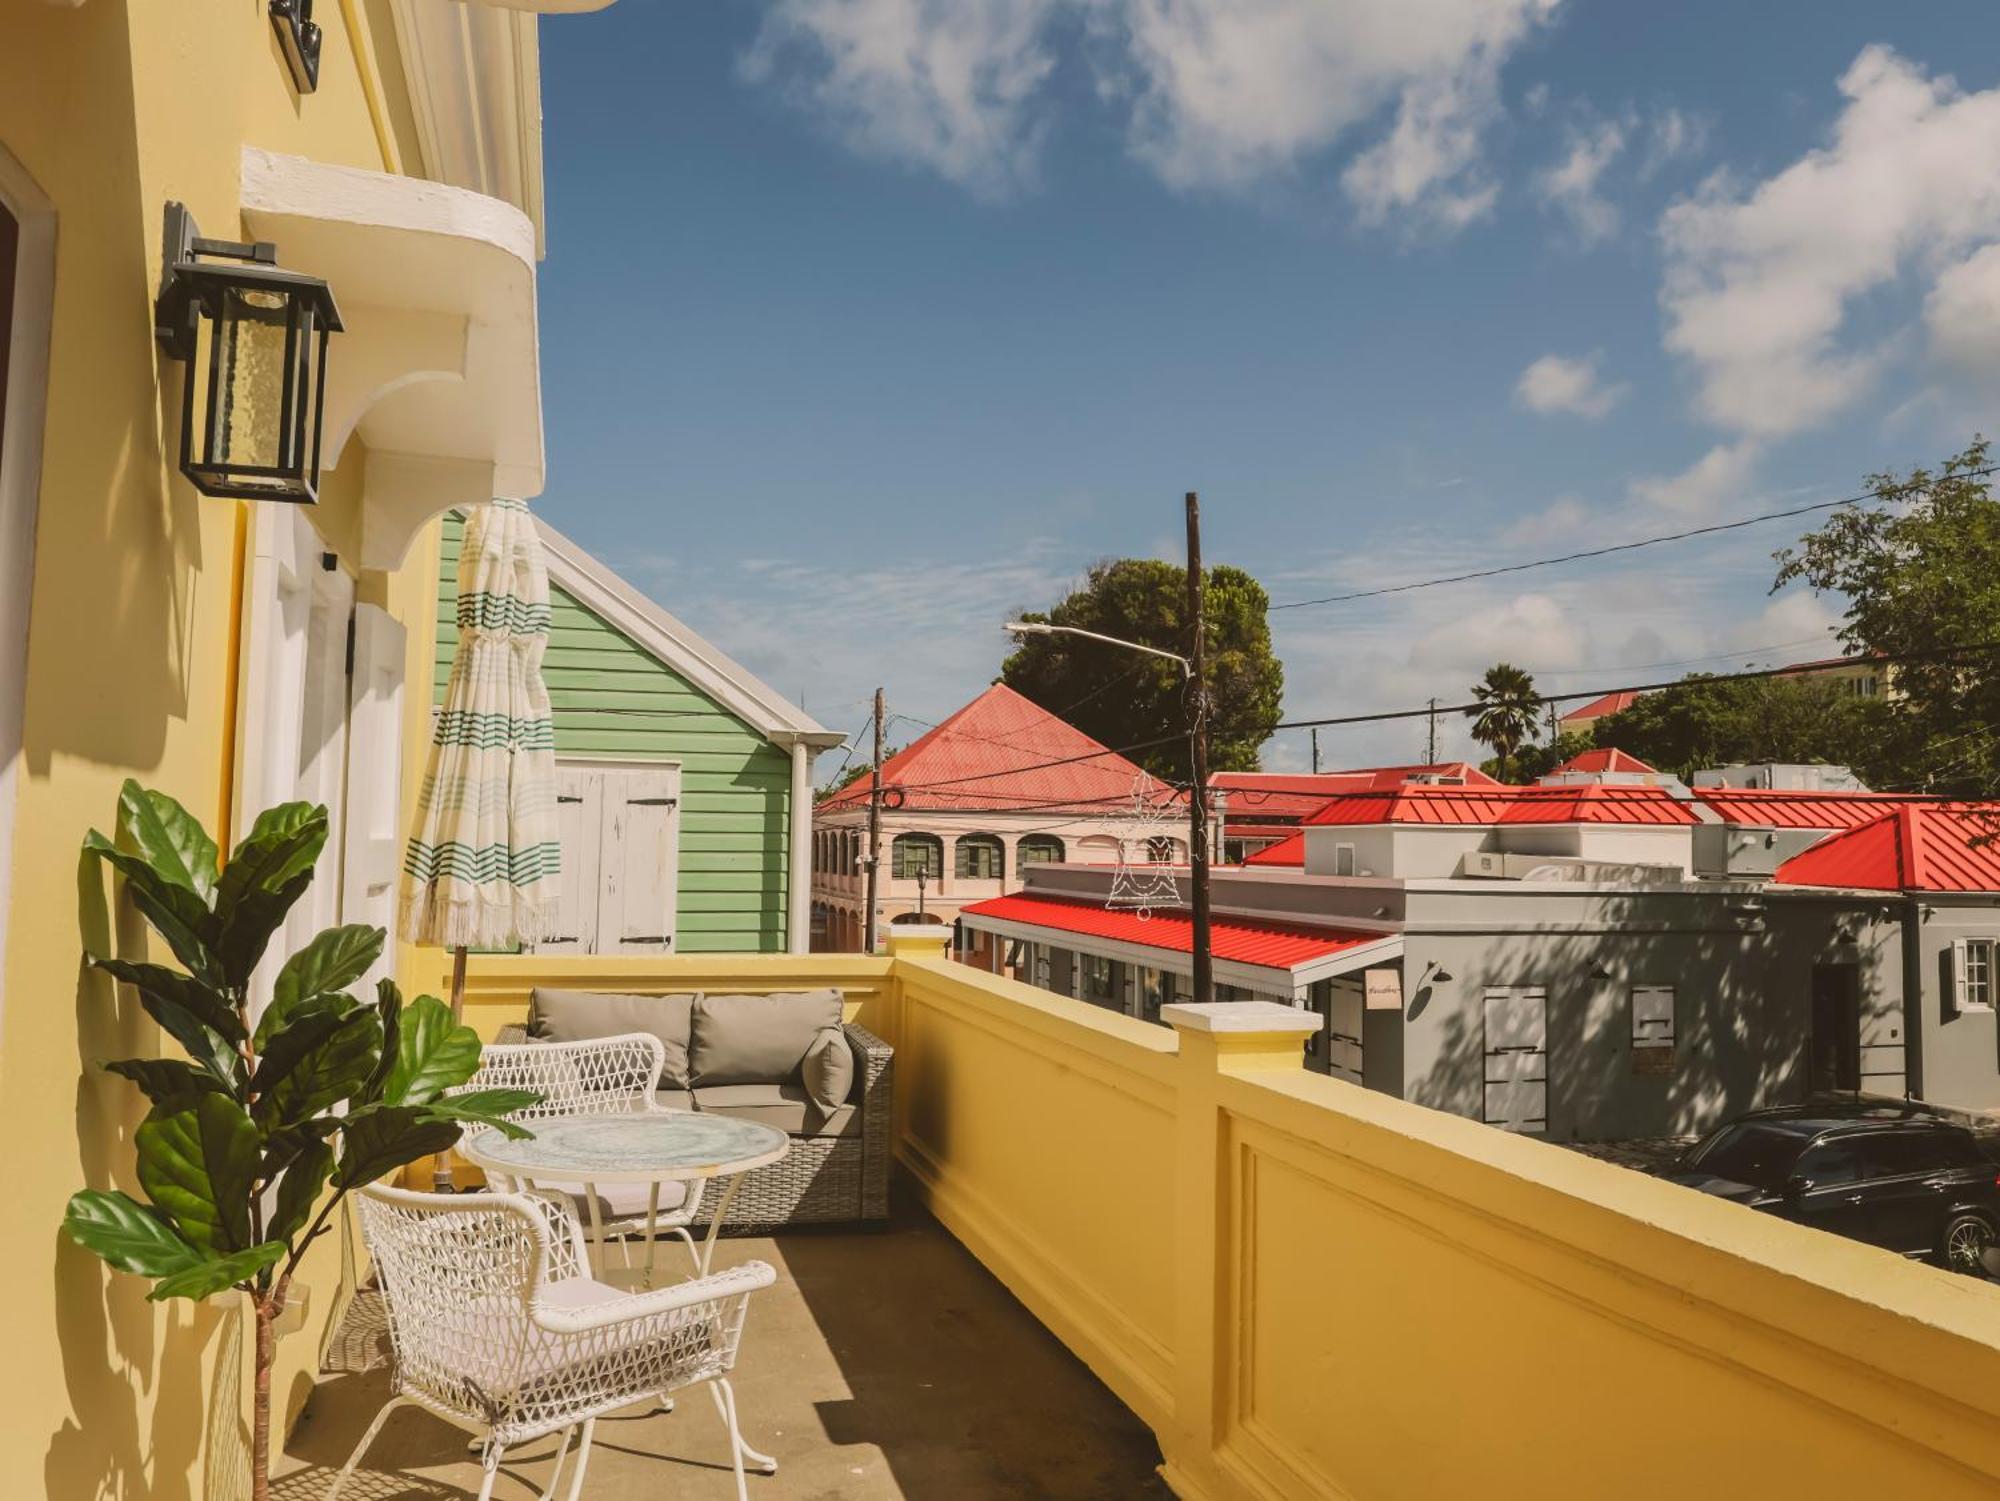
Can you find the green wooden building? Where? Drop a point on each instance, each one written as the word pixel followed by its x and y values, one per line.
pixel 684 785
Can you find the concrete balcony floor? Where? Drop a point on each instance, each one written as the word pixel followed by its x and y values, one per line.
pixel 883 1364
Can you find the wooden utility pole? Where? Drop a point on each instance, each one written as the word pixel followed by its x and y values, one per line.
pixel 874 833
pixel 1431 744
pixel 1204 959
pixel 1315 735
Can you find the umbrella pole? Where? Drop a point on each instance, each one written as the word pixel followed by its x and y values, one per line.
pixel 441 1164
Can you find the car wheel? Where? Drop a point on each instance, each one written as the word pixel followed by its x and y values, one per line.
pixel 1966 1240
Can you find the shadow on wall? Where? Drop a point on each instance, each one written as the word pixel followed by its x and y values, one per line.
pixel 118 1350
pixel 1742 1002
pixel 119 559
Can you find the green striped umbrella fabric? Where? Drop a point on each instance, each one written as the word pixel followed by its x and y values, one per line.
pixel 480 870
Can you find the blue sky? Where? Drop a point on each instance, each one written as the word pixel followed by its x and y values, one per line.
pixel 867 322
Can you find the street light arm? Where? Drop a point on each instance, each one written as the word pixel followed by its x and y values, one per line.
pixel 1041 628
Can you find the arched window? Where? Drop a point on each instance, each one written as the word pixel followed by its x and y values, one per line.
pixel 912 853
pixel 980 857
pixel 1037 849
pixel 916 919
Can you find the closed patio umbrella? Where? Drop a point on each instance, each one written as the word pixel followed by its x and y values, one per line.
pixel 481 869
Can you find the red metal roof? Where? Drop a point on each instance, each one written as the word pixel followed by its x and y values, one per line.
pixel 1763 809
pixel 1616 702
pixel 1269 795
pixel 1917 847
pixel 1290 850
pixel 1001 753
pixel 1592 803
pixel 1269 945
pixel 1607 758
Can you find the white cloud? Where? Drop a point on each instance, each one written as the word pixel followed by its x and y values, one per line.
pixel 1222 93
pixel 950 85
pixel 1570 186
pixel 1698 491
pixel 1672 135
pixel 1760 281
pixel 1962 314
pixel 1562 383
pixel 1529 629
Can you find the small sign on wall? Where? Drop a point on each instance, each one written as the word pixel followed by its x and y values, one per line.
pixel 1382 989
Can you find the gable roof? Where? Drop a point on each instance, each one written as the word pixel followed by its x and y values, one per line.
pixel 1289 851
pixel 1004 753
pixel 1615 702
pixel 1484 806
pixel 1917 847
pixel 1763 808
pixel 1606 758
pixel 662 636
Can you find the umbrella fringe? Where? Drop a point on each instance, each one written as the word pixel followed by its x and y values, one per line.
pixel 475 923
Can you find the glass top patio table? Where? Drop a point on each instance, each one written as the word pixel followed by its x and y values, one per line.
pixel 645 1148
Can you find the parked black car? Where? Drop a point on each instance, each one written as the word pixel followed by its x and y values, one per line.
pixel 1892 1176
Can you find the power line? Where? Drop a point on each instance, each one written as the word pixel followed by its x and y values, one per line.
pixel 1714 656
pixel 1805 669
pixel 1601 552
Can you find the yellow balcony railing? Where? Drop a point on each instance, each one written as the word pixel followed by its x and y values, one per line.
pixel 1310 1290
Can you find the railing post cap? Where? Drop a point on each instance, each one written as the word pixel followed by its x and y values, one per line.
pixel 915 938
pixel 1241 1018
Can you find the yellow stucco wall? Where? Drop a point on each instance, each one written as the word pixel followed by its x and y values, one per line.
pixel 113 109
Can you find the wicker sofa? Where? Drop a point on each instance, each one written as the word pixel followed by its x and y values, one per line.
pixel 746 1056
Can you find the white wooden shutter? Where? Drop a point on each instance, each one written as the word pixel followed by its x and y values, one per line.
pixel 639 859
pixel 372 855
pixel 580 831
pixel 1955 984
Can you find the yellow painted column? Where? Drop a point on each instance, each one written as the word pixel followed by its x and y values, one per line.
pixel 1216 1039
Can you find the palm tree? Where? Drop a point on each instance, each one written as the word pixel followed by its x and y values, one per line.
pixel 1503 715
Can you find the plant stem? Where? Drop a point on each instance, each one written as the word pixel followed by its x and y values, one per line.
pixel 267 1310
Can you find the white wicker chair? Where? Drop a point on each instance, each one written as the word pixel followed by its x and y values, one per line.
pixel 600 1076
pixel 497 1327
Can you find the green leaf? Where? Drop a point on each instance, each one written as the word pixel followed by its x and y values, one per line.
pixel 487 1107
pixel 389 1010
pixel 197 1162
pixel 172 841
pixel 207 1278
pixel 383 1138
pixel 299 1189
pixel 177 915
pixel 326 1052
pixel 133 1237
pixel 330 963
pixel 245 932
pixel 433 1053
pixel 267 873
pixel 177 989
pixel 165 1079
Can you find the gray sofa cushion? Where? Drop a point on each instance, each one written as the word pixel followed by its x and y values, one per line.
pixel 620 1201
pixel 827 1071
pixel 786 1106
pixel 757 1039
pixel 578 1015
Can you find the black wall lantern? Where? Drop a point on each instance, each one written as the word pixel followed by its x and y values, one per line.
pixel 254 339
pixel 299 37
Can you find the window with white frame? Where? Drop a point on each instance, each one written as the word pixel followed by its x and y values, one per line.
pixel 1972 966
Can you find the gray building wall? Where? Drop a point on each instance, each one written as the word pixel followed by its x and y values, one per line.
pixel 1960 1050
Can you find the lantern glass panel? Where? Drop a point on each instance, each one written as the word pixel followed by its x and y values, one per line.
pixel 247 427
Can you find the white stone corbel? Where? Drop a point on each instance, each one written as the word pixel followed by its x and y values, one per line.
pixel 405 490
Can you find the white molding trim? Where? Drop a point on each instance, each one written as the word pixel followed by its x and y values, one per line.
pixel 27 369
pixel 669 640
pixel 439 370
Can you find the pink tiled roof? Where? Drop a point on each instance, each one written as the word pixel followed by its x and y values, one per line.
pixel 1002 753
pixel 1616 702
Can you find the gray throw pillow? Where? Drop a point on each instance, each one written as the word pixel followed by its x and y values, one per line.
pixel 757 1039
pixel 579 1015
pixel 828 1070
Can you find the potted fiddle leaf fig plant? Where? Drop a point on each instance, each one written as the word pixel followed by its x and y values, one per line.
pixel 254 1138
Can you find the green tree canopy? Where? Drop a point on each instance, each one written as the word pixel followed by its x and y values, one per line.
pixel 1123 698
pixel 1705 720
pixel 1504 712
pixel 1920 574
